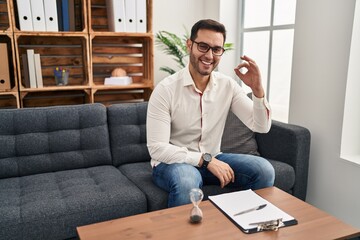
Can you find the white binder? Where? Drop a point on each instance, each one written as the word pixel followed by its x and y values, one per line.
pixel 116 15
pixel 51 18
pixel 24 13
pixel 38 73
pixel 31 67
pixel 141 16
pixel 4 68
pixel 130 13
pixel 38 15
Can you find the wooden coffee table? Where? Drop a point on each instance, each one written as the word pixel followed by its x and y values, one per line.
pixel 173 223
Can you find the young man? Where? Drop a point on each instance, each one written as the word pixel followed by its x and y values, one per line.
pixel 186 118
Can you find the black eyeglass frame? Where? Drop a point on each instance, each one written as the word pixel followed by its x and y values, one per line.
pixel 213 49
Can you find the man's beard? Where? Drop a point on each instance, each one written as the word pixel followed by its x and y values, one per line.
pixel 196 65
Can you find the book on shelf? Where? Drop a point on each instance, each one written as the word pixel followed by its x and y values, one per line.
pixel 4 68
pixel 116 15
pixel 65 15
pixel 141 23
pixel 130 16
pixel 59 14
pixel 51 15
pixel 24 14
pixel 38 72
pixel 38 15
pixel 71 15
pixel 25 70
pixel 31 68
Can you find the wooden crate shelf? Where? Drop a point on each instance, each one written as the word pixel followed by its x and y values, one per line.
pixel 54 98
pixel 5 19
pixel 112 96
pixel 98 21
pixel 69 52
pixel 90 53
pixel 9 100
pixel 131 54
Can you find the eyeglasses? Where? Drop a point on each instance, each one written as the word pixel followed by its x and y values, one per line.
pixel 204 48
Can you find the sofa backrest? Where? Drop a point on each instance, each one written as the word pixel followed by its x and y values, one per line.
pixel 127 129
pixel 46 139
pixel 237 137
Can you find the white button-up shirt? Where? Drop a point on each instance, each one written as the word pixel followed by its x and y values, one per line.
pixel 183 123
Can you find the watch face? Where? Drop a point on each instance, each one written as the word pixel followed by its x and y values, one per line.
pixel 207 157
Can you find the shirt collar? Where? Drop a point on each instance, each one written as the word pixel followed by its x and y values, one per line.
pixel 188 80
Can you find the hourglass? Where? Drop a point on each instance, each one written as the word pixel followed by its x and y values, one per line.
pixel 196 196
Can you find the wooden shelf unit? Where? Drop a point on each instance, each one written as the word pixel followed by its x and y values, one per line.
pixel 9 98
pixel 90 53
pixel 5 17
pixel 134 52
pixel 69 51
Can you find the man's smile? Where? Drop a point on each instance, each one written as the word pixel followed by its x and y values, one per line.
pixel 205 62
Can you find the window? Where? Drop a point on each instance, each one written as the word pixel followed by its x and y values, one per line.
pixel 267 34
pixel 350 141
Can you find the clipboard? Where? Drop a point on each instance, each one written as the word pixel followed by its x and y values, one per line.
pixel 253 219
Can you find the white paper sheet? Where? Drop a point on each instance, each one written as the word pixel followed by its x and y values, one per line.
pixel 235 202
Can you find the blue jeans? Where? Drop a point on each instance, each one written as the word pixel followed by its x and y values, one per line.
pixel 251 172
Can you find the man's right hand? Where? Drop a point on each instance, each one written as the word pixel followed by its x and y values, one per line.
pixel 222 171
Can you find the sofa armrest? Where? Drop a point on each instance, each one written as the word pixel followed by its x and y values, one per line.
pixel 289 144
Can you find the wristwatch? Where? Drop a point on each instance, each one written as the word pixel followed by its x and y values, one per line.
pixel 207 159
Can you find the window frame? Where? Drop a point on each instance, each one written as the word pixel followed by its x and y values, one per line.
pixel 271 28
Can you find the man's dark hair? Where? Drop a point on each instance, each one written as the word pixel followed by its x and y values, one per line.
pixel 208 24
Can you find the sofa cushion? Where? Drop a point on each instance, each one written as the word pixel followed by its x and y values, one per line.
pixel 52 205
pixel 127 127
pixel 48 139
pixel 237 137
pixel 141 175
pixel 284 175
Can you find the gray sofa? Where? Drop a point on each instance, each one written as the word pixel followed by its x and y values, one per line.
pixel 68 166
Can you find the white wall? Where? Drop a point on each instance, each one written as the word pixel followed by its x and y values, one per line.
pixel 173 16
pixel 320 63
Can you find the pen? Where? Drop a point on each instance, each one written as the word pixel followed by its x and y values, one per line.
pixel 250 210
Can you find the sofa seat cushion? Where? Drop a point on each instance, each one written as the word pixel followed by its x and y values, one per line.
pixel 52 205
pixel 141 174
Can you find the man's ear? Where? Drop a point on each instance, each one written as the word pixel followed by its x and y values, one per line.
pixel 188 44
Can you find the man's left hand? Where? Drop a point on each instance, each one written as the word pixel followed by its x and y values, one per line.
pixel 252 77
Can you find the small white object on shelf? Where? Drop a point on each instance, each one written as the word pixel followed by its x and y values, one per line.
pixel 118 81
